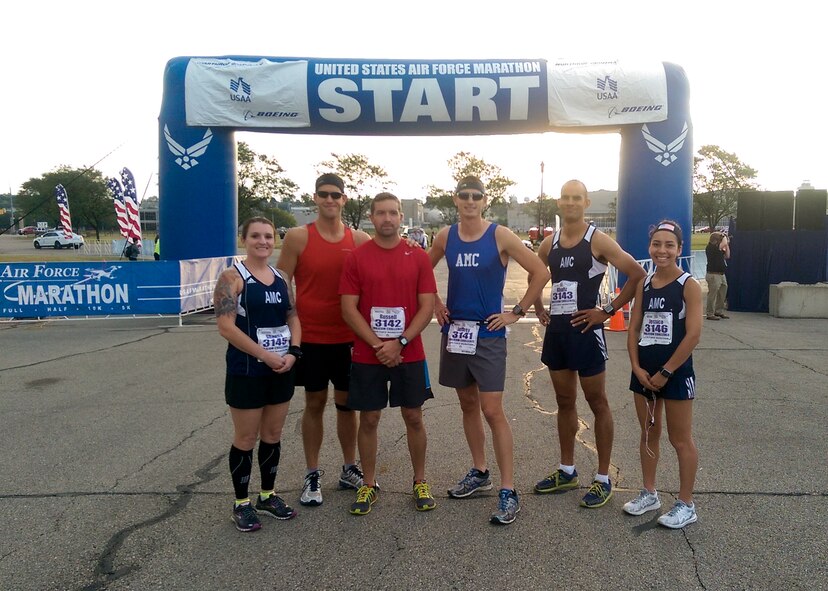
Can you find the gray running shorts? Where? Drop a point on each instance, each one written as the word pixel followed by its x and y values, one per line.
pixel 486 368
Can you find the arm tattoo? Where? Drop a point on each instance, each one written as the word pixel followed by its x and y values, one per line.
pixel 224 298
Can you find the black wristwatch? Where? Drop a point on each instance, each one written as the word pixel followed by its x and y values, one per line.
pixel 518 311
pixel 608 309
pixel 403 341
pixel 665 372
pixel 296 351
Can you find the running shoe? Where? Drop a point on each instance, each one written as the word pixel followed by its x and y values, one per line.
pixel 507 507
pixel 645 501
pixel 366 496
pixel 275 507
pixel 558 481
pixel 245 518
pixel 472 482
pixel 351 477
pixel 422 496
pixel 597 495
pixel 312 490
pixel 680 515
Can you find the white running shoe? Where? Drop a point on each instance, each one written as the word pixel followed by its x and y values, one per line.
pixel 645 501
pixel 312 490
pixel 680 515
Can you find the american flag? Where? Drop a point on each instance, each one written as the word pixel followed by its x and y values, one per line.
pixel 131 202
pixel 120 207
pixel 63 206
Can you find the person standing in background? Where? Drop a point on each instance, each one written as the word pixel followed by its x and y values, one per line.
pixel 717 252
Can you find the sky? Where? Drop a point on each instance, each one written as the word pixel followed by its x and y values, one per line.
pixel 83 81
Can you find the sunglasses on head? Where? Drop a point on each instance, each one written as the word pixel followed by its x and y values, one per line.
pixel 470 195
pixel 335 195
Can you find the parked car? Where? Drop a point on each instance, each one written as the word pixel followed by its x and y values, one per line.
pixel 58 240
pixel 27 230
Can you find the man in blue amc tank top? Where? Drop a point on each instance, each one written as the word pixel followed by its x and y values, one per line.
pixel 473 348
pixel 574 348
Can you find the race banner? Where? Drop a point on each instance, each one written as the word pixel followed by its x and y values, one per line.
pixel 583 93
pixel 421 97
pixel 102 288
pixel 237 93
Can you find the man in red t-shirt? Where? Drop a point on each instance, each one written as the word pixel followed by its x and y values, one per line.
pixel 387 290
pixel 313 255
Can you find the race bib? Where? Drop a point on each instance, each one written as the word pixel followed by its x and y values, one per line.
pixel 564 298
pixel 387 323
pixel 462 337
pixel 275 340
pixel 656 329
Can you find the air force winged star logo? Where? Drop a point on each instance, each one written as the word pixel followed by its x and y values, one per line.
pixel 187 156
pixel 666 152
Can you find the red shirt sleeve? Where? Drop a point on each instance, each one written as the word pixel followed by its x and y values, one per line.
pixel 349 281
pixel 426 283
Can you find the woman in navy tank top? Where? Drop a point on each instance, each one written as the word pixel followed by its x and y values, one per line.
pixel 255 313
pixel 665 326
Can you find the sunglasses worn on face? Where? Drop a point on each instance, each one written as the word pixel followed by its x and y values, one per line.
pixel 470 195
pixel 335 195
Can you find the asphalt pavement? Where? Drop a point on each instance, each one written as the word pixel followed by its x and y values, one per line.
pixel 114 473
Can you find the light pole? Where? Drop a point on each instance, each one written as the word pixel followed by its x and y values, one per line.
pixel 540 205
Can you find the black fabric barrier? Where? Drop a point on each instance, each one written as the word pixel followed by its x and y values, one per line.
pixel 764 257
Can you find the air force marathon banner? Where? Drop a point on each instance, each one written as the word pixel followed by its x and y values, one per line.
pixel 95 288
pixel 423 97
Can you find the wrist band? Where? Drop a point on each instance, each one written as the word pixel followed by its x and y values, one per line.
pixel 295 350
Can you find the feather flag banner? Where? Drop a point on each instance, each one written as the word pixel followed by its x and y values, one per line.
pixel 131 202
pixel 120 207
pixel 63 207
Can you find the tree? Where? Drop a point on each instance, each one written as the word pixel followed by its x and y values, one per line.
pixel 280 217
pixel 718 176
pixel 261 179
pixel 464 164
pixel 548 210
pixel 442 201
pixel 362 179
pixel 90 203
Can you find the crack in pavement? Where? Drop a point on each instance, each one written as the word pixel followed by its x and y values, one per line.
pixel 583 425
pixel 105 572
pixel 82 353
pixel 168 451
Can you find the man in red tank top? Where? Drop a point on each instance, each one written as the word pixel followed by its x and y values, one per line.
pixel 313 255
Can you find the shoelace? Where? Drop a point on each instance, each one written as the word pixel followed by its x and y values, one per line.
pixel 421 488
pixel 676 508
pixel 247 511
pixel 356 471
pixel 598 490
pixel 506 501
pixel 312 481
pixel 364 494
pixel 468 480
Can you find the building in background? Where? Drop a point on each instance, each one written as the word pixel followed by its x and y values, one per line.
pixel 148 213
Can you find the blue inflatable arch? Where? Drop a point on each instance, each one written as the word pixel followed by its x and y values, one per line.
pixel 206 99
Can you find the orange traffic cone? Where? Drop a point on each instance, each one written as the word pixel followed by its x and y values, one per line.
pixel 617 322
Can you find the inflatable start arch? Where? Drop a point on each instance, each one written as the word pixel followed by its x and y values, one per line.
pixel 206 99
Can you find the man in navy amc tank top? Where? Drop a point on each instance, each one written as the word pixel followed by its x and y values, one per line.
pixel 574 348
pixel 473 348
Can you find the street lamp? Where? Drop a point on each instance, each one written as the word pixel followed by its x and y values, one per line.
pixel 540 203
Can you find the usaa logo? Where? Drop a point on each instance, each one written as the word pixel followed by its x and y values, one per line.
pixel 239 90
pixel 607 88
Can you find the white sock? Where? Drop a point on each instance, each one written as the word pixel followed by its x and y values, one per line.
pixel 602 478
pixel 570 470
